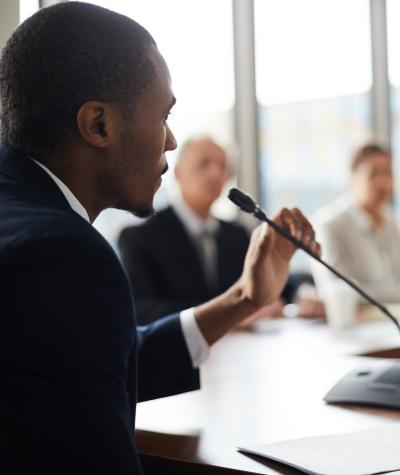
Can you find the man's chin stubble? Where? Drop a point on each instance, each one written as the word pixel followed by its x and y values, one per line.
pixel 141 211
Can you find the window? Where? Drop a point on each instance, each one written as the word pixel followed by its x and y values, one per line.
pixel 393 12
pixel 27 8
pixel 313 74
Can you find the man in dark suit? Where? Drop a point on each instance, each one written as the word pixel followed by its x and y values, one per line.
pixel 182 273
pixel 203 256
pixel 85 96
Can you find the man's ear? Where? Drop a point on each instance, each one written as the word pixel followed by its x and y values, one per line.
pixel 95 123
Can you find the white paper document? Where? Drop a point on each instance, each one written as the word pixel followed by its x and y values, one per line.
pixel 365 452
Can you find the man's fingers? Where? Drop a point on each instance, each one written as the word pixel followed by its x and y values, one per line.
pixel 258 234
pixel 316 248
pixel 291 223
pixel 260 243
pixel 303 221
pixel 294 222
pixel 263 238
pixel 308 233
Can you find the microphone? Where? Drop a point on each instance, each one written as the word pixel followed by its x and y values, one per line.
pixel 247 204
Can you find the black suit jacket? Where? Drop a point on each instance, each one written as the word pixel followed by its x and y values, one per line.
pixel 164 266
pixel 72 365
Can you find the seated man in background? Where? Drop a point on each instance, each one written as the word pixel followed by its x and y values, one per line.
pixel 201 256
pixel 359 235
pixel 204 255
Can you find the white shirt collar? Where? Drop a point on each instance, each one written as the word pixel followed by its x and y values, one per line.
pixel 192 222
pixel 69 196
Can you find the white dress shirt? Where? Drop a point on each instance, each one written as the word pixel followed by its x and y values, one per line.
pixel 192 222
pixel 195 341
pixel 203 234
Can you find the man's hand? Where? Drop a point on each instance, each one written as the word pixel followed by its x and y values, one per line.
pixel 267 261
pixel 264 274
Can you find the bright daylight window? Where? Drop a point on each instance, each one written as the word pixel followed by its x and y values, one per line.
pixel 27 8
pixel 313 73
pixel 393 12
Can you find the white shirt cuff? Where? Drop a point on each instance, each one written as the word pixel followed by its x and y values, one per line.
pixel 195 341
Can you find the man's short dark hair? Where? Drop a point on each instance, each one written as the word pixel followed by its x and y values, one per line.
pixel 58 59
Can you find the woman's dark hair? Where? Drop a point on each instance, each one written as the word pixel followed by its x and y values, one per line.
pixel 365 152
pixel 58 59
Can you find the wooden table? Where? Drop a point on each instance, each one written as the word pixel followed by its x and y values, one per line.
pixel 261 387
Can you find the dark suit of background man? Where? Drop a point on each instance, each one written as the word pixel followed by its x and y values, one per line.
pixel 85 95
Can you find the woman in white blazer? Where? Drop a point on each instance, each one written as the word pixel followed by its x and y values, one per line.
pixel 360 238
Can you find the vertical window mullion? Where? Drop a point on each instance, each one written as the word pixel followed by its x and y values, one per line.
pixel 246 111
pixel 380 93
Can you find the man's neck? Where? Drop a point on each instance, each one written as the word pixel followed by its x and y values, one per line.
pixel 77 182
pixel 203 212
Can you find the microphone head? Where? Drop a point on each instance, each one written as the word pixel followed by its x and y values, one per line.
pixel 245 202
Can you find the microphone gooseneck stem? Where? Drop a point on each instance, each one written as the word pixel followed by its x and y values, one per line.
pixel 236 195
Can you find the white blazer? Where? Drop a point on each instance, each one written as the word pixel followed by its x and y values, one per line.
pixel 348 243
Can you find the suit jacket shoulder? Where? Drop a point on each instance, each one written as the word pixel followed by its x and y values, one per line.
pixel 68 345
